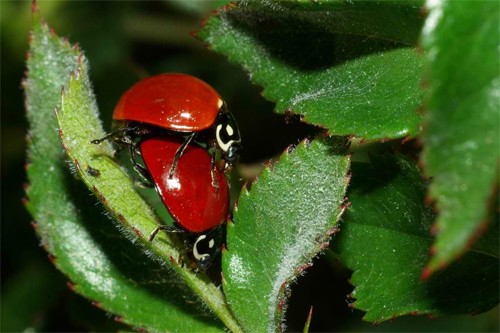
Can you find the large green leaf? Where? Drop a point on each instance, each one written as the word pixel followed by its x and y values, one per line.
pixel 393 20
pixel 338 67
pixel 279 226
pixel 385 240
pixel 101 263
pixel 462 129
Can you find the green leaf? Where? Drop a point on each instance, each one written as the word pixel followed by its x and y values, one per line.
pixel 462 132
pixel 385 240
pixel 101 262
pixel 200 7
pixel 279 226
pixel 339 68
pixel 395 20
pixel 25 298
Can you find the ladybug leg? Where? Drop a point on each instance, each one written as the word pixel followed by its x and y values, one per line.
pixel 215 184
pixel 121 136
pixel 179 152
pixel 213 167
pixel 147 181
pixel 166 228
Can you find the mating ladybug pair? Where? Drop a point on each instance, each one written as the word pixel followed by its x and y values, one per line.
pixel 177 123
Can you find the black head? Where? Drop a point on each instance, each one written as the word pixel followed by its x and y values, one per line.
pixel 228 136
pixel 207 246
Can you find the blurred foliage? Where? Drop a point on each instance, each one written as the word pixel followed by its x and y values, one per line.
pixel 125 41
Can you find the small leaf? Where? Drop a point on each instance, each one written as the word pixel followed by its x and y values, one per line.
pixel 79 125
pixel 385 240
pixel 279 226
pixel 339 68
pixel 308 321
pixel 462 132
pixel 101 263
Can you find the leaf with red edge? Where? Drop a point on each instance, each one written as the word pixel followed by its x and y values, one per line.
pixel 101 260
pixel 385 240
pixel 462 130
pixel 280 224
pixel 341 66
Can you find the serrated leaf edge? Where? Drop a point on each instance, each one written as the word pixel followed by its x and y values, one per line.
pixel 211 295
pixel 283 286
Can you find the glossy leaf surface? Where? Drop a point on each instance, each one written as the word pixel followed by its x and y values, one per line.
pixel 385 240
pixel 102 264
pixel 462 129
pixel 280 224
pixel 340 68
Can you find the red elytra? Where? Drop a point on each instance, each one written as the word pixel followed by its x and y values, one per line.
pixel 173 101
pixel 189 195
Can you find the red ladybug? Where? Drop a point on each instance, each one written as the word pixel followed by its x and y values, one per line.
pixel 161 118
pixel 189 196
pixel 180 105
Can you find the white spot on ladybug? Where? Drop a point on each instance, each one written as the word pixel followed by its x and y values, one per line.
pixel 211 243
pixel 224 145
pixel 229 130
pixel 220 102
pixel 199 256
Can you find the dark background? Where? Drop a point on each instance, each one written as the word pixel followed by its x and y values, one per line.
pixel 124 42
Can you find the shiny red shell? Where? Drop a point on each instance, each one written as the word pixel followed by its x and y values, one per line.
pixel 189 195
pixel 177 102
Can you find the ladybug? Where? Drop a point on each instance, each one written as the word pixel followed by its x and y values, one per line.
pixel 180 105
pixel 172 121
pixel 197 207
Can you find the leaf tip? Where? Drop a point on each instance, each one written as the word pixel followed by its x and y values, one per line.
pixel 35 11
pixel 34 7
pixel 81 63
pixel 52 259
pixel 96 304
pixel 308 320
pixel 71 286
pixel 66 42
pixel 333 231
pixel 434 231
pixel 137 232
pixel 302 268
pixel 77 165
pixel 52 31
pixel 426 273
pixel 119 216
pixel 34 225
pixel 174 262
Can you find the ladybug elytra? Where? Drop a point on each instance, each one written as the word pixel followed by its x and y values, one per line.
pixel 164 119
